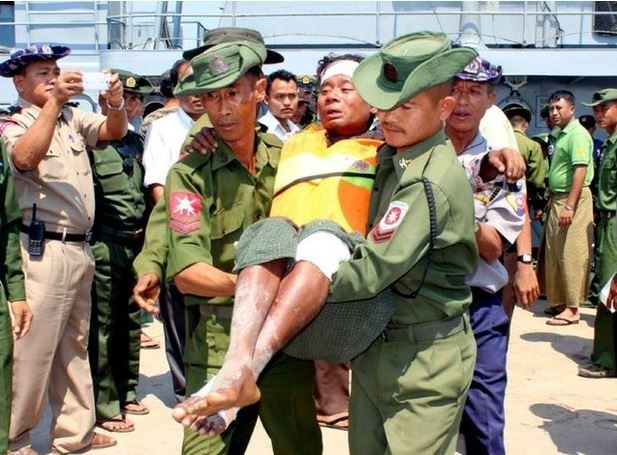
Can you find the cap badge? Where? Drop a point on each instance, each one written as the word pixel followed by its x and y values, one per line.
pixel 390 72
pixel 306 80
pixel 218 66
pixel 131 82
pixel 46 49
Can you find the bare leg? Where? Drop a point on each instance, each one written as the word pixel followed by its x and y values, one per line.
pixel 256 290
pixel 301 296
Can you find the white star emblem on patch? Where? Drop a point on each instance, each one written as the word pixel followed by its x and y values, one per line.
pixel 184 206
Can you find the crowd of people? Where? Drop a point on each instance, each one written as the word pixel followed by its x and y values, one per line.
pixel 343 249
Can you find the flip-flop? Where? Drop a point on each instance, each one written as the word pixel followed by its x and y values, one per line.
pixel 557 318
pixel 553 310
pixel 114 420
pixel 102 441
pixel 143 411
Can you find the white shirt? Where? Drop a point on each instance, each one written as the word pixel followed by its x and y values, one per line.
pixel 162 146
pixel 274 127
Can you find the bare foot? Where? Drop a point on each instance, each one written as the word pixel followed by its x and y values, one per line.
pixel 232 387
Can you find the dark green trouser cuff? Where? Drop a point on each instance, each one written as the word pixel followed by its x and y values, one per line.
pixel 265 241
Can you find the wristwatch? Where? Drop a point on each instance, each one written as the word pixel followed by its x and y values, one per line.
pixel 525 258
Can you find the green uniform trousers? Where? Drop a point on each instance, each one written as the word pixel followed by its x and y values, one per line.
pixel 287 409
pixel 115 326
pixel 6 356
pixel 408 397
pixel 603 339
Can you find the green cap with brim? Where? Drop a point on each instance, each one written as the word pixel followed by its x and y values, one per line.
pixel 602 96
pixel 407 66
pixel 220 66
pixel 514 109
pixel 133 83
pixel 231 34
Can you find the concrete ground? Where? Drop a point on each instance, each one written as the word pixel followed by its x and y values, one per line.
pixel 550 410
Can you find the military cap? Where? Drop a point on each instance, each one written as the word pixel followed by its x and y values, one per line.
pixel 134 83
pixel 602 96
pixel 232 34
pixel 588 121
pixel 480 70
pixel 407 66
pixel 512 109
pixel 21 58
pixel 221 66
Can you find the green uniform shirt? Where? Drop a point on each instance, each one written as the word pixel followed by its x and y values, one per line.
pixel 607 179
pixel 118 183
pixel 211 199
pixel 153 255
pixel 400 231
pixel 10 218
pixel 534 159
pixel 572 146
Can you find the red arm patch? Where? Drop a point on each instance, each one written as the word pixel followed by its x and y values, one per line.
pixel 5 123
pixel 185 212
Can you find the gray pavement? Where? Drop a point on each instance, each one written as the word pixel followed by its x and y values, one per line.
pixel 550 410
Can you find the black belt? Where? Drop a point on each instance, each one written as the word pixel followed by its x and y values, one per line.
pixel 220 311
pixel 64 237
pixel 606 213
pixel 125 234
pixel 425 331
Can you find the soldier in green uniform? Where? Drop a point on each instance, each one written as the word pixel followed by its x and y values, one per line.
pixel 410 385
pixel 210 200
pixel 604 104
pixel 115 325
pixel 519 117
pixel 11 288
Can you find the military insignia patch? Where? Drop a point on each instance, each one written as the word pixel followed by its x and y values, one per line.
pixel 390 222
pixel 131 82
pixel 218 66
pixel 5 123
pixel 517 202
pixel 185 212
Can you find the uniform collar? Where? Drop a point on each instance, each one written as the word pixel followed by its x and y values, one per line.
pixel 33 109
pixel 612 138
pixel 224 155
pixel 404 158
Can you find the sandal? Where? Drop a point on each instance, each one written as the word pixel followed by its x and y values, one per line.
pixel 559 321
pixel 101 441
pixel 554 310
pixel 116 424
pixel 135 407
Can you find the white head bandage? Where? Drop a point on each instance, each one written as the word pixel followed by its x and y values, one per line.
pixel 339 67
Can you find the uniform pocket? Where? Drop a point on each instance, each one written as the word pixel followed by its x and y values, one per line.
pixel 53 167
pixel 227 221
pixel 110 175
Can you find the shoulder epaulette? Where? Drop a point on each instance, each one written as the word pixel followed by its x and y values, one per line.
pixel 14 109
pixel 271 140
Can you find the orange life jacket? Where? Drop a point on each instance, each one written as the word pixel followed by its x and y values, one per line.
pixel 317 182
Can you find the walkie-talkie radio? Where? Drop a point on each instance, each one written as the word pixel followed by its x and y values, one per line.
pixel 36 235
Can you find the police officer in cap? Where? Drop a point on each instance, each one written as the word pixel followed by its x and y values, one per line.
pixel 115 325
pixel 46 141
